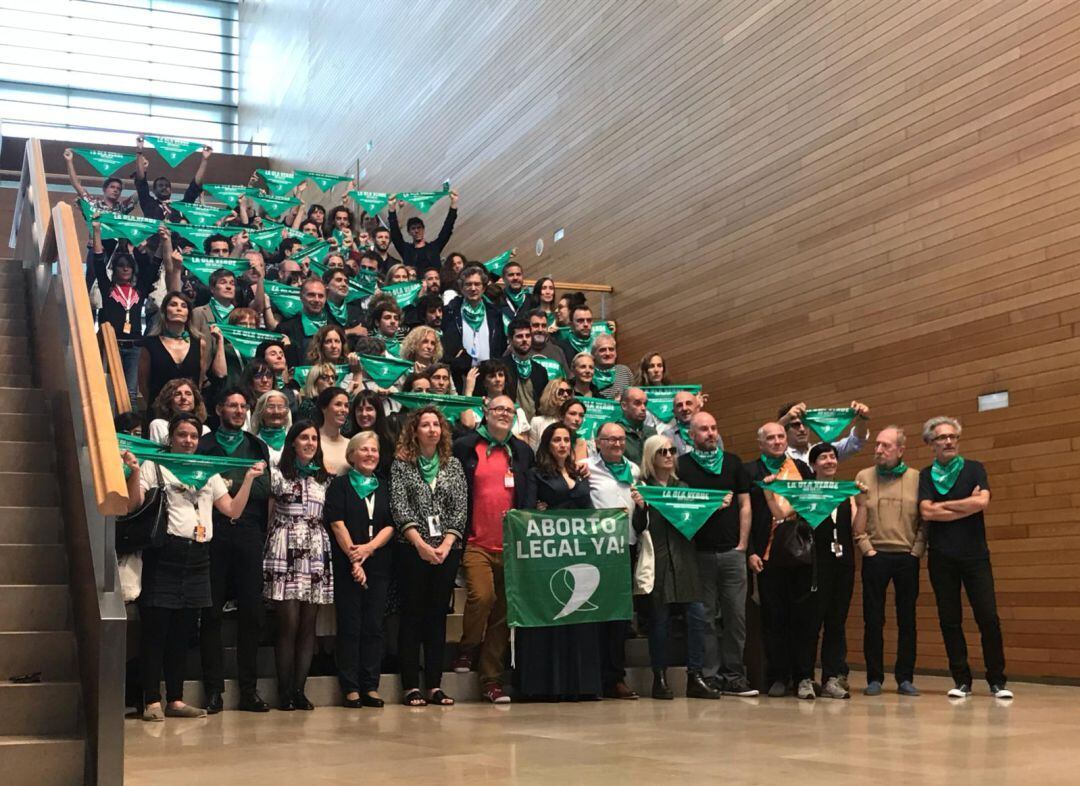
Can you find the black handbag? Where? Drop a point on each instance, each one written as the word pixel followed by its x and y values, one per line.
pixel 791 544
pixel 146 527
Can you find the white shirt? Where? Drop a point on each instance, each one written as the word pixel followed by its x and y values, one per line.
pixel 188 507
pixel 476 342
pixel 606 492
pixel 159 431
pixel 845 448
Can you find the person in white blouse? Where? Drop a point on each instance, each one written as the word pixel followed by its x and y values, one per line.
pixel 270 420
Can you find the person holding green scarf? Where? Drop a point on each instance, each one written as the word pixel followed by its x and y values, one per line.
pixel 472 328
pixel 490 379
pixel 632 419
pixel 384 319
pixel 300 329
pixel 611 378
pixel 235 559
pixel 953 493
pixel 892 539
pixel 790 416
pixel 176 576
pixel 297 572
pixel 174 352
pixel 270 421
pixel 429 502
pixel 496 464
pixel 525 377
pixel 357 513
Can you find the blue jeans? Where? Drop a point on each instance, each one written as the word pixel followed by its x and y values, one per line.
pixel 659 616
pixel 129 359
pixel 723 584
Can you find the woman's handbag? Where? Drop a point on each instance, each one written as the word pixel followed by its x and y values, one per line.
pixel 146 527
pixel 645 569
pixel 791 544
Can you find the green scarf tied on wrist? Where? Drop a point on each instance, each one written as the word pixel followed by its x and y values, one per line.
pixel 273 437
pixel 473 315
pixel 773 464
pixel 892 472
pixel 311 324
pixel 603 377
pixel 621 471
pixel 307 470
pixel 945 475
pixel 493 443
pixel 229 439
pixel 363 485
pixel 712 461
pixel 524 367
pixel 429 467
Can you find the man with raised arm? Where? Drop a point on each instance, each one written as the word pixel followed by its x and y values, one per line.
pixel 155 204
pixel 422 253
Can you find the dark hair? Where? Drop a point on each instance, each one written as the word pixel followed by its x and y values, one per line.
pixel 447 276
pixel 373 256
pixel 576 307
pixel 129 261
pixel 312 222
pixel 265 345
pixel 785 409
pixel 233 390
pixel 127 422
pixel 409 380
pixel 219 274
pixel 209 242
pixel 109 180
pixel 408 445
pixel 415 221
pixel 427 302
pixel 532 302
pixel 518 323
pixel 323 400
pixel 379 306
pixel 427 372
pixel 330 227
pixel 491 366
pixel 546 463
pixel 287 464
pixel 247 377
pixel 381 426
pixel 473 269
pixel 565 406
pixel 287 245
pixel 330 272
pixel 820 448
pixel 185 417
pixel 381 228
pixel 161 178
pixel 169 298
pixel 643 369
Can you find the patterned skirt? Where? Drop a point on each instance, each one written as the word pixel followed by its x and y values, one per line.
pixel 296 562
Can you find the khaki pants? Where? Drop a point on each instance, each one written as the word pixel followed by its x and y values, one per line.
pixel 484 623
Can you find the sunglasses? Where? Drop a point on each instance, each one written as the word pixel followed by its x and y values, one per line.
pixel 665 451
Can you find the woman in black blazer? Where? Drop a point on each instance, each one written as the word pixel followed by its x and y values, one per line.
pixel 357 513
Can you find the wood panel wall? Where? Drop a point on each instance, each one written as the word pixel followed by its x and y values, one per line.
pixel 794 200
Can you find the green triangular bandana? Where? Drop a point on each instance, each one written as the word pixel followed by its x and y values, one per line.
pixel 273 437
pixel 201 215
pixel 828 423
pixel 371 201
pixel 197 235
pixel 131 442
pixel 686 509
pixel 311 325
pixel 495 265
pixel 279 183
pixel 358 288
pixel 304 238
pixel 106 162
pixel 405 293
pixel 566 333
pixel 551 366
pixel 133 228
pixel 227 194
pixel 451 406
pixel 246 340
pixel 266 240
pixel 363 485
pixel 316 253
pixel 712 461
pixel 191 469
pixel 384 371
pixel 284 298
pixel 598 411
pixel 202 267
pixel 173 150
pixel 300 374
pixel 814 500
pixel 274 205
pixel 107 233
pixel 662 399
pixel 220 312
pixel 324 181
pixel 422 200
pixel 603 378
pixel 944 477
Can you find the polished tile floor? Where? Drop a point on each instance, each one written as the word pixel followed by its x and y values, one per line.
pixel 889 739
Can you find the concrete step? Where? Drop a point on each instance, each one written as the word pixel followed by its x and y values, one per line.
pixel 33 457
pixel 16 308
pixel 16 327
pixel 17 363
pixel 50 652
pixel 28 489
pixel 42 760
pixel 15 346
pixel 22 401
pixel 18 428
pixel 37 563
pixel 29 525
pixel 16 380
pixel 39 708
pixel 34 607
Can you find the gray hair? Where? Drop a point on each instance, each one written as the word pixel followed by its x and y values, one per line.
pixel 901 435
pixel 934 422
pixel 260 407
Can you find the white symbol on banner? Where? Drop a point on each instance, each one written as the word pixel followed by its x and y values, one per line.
pixel 572 586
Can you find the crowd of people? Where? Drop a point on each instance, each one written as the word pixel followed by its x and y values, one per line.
pixel 383 413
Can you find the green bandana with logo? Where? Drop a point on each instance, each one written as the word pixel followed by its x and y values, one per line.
pixel 551 366
pixel 893 472
pixel 300 374
pixel 384 371
pixel 275 205
pixel 828 424
pixel 944 476
pixel 229 439
pixel 621 471
pixel 201 215
pixel 228 194
pixel 197 235
pixel 363 485
pixel 311 324
pixel 315 253
pixel 686 509
pixel 813 500
pixel 661 401
pixel 246 340
pixel 220 312
pixel 273 437
pixel 712 461
pixel 422 200
pixel 451 406
pixel 598 411
pixel 279 183
pixel 106 162
pixel 603 378
pixel 284 298
pixel 132 228
pixel 429 467
pixel 371 201
pixel 202 266
pixel 493 443
pixel 495 265
pixel 404 293
pixel 324 181
pixel 173 150
pixel 473 315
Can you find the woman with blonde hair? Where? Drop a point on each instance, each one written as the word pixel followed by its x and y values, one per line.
pixel 423 347
pixel 547 409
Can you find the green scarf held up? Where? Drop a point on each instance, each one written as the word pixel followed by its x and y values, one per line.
pixel 524 367
pixel 273 205
pixel 324 181
pixel 813 500
pixel 300 374
pixel 828 424
pixel 311 324
pixel 404 293
pixel 279 183
pixel 661 401
pixel 190 469
pixel 451 406
pixel 284 298
pixel 371 201
pixel 892 472
pixel 422 200
pixel 273 437
pixel 773 464
pixel 229 439
pixel 173 150
pixel 712 461
pixel 603 378
pixel 307 470
pixel 106 162
pixel 550 365
pixel 945 475
pixel 621 471
pixel 384 371
pixel 197 235
pixel 686 509
pixel 493 443
pixel 495 265
pixel 363 485
pixel 135 229
pixel 473 314
pixel 220 312
pixel 203 266
pixel 429 467
pixel 228 194
pixel 201 215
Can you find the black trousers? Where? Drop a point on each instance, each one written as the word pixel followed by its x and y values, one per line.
pixel 359 643
pixel 789 621
pixel 947 576
pixel 425 599
pixel 902 569
pixel 236 553
pixel 836 582
pixel 613 652
pixel 165 635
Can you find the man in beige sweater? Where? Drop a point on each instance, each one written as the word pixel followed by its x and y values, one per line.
pixel 891 537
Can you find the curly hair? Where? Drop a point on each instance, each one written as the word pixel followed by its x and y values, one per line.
pixel 408 446
pixel 163 408
pixel 410 346
pixel 315 351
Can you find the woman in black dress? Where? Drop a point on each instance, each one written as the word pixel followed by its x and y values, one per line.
pixel 558 662
pixel 174 352
pixel 357 513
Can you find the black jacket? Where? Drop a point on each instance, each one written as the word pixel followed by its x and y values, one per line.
pixel 453 348
pixel 520 463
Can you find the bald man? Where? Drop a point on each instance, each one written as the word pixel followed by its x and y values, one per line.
pixel 633 401
pixel 684 406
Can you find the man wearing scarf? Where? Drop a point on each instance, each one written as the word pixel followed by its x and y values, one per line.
pixel 496 464
pixel 684 406
pixel 580 338
pixel 891 538
pixel 472 328
pixel 524 376
pixel 541 343
pixel 633 401
pixel 721 546
pixel 953 493
pixel 798 433
pixel 514 292
pixel 304 325
pixel 223 299
pixel 611 478
pixel 236 553
pixel 350 314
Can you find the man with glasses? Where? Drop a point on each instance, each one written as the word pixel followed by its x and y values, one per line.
pixel 525 378
pixel 541 345
pixel 798 434
pixel 472 328
pixel 611 478
pixel 496 464
pixel 953 493
pixel 236 553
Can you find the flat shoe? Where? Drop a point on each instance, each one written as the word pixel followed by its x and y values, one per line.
pixel 154 714
pixel 368 700
pixel 187 711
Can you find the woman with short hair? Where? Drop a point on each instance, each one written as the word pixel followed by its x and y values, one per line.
pixel 547 409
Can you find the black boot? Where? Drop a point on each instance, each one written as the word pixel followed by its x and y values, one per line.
pixel 660 689
pixel 698 688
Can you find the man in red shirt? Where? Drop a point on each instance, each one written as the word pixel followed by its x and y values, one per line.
pixel 495 464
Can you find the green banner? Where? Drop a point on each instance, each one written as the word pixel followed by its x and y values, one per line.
pixel 422 200
pixel 451 406
pixel 274 205
pixel 227 194
pixel 279 183
pixel 106 162
pixel 371 201
pixel 814 500
pixel 197 235
pixel 201 215
pixel 828 423
pixel 686 509
pixel 551 366
pixel 300 374
pixel 133 228
pixel 284 298
pixel 384 371
pixel 191 469
pixel 566 567
pixel 662 398
pixel 246 340
pixel 495 265
pixel 598 411
pixel 173 150
pixel 324 181
pixel 202 266
pixel 405 293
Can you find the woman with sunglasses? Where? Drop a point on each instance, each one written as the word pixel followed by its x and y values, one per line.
pixel 547 409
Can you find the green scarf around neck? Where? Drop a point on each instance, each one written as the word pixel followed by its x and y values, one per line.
pixel 363 485
pixel 473 315
pixel 273 437
pixel 712 461
pixel 621 471
pixel 773 464
pixel 312 324
pixel 493 443
pixel 183 335
pixel 429 467
pixel 307 470
pixel 229 439
pixel 220 312
pixel 579 345
pixel 517 299
pixel 339 313
pixel 524 367
pixel 603 377
pixel 945 475
pixel 893 472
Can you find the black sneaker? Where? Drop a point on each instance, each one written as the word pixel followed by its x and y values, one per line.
pixel 959 691
pixel 739 687
pixel 1000 692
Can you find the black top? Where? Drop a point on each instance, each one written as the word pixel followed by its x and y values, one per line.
pixel 293 327
pixel 839 531
pixel 555 492
pixel 761 516
pixel 454 353
pixel 111 311
pixel 966 537
pixel 257 508
pixel 520 463
pixel 163 368
pixel 427 256
pixel 152 208
pixel 721 531
pixel 344 504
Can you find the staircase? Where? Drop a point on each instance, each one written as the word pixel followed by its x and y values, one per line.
pixel 41 729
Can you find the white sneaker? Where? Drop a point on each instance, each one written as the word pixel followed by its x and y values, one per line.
pixel 1000 692
pixel 959 692
pixel 806 690
pixel 833 689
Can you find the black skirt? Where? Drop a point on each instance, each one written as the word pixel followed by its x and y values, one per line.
pixel 558 661
pixel 177 575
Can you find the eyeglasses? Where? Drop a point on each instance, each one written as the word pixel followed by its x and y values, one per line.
pixel 562 392
pixel 613 440
pixel 947 438
pixel 665 451
pixel 500 411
